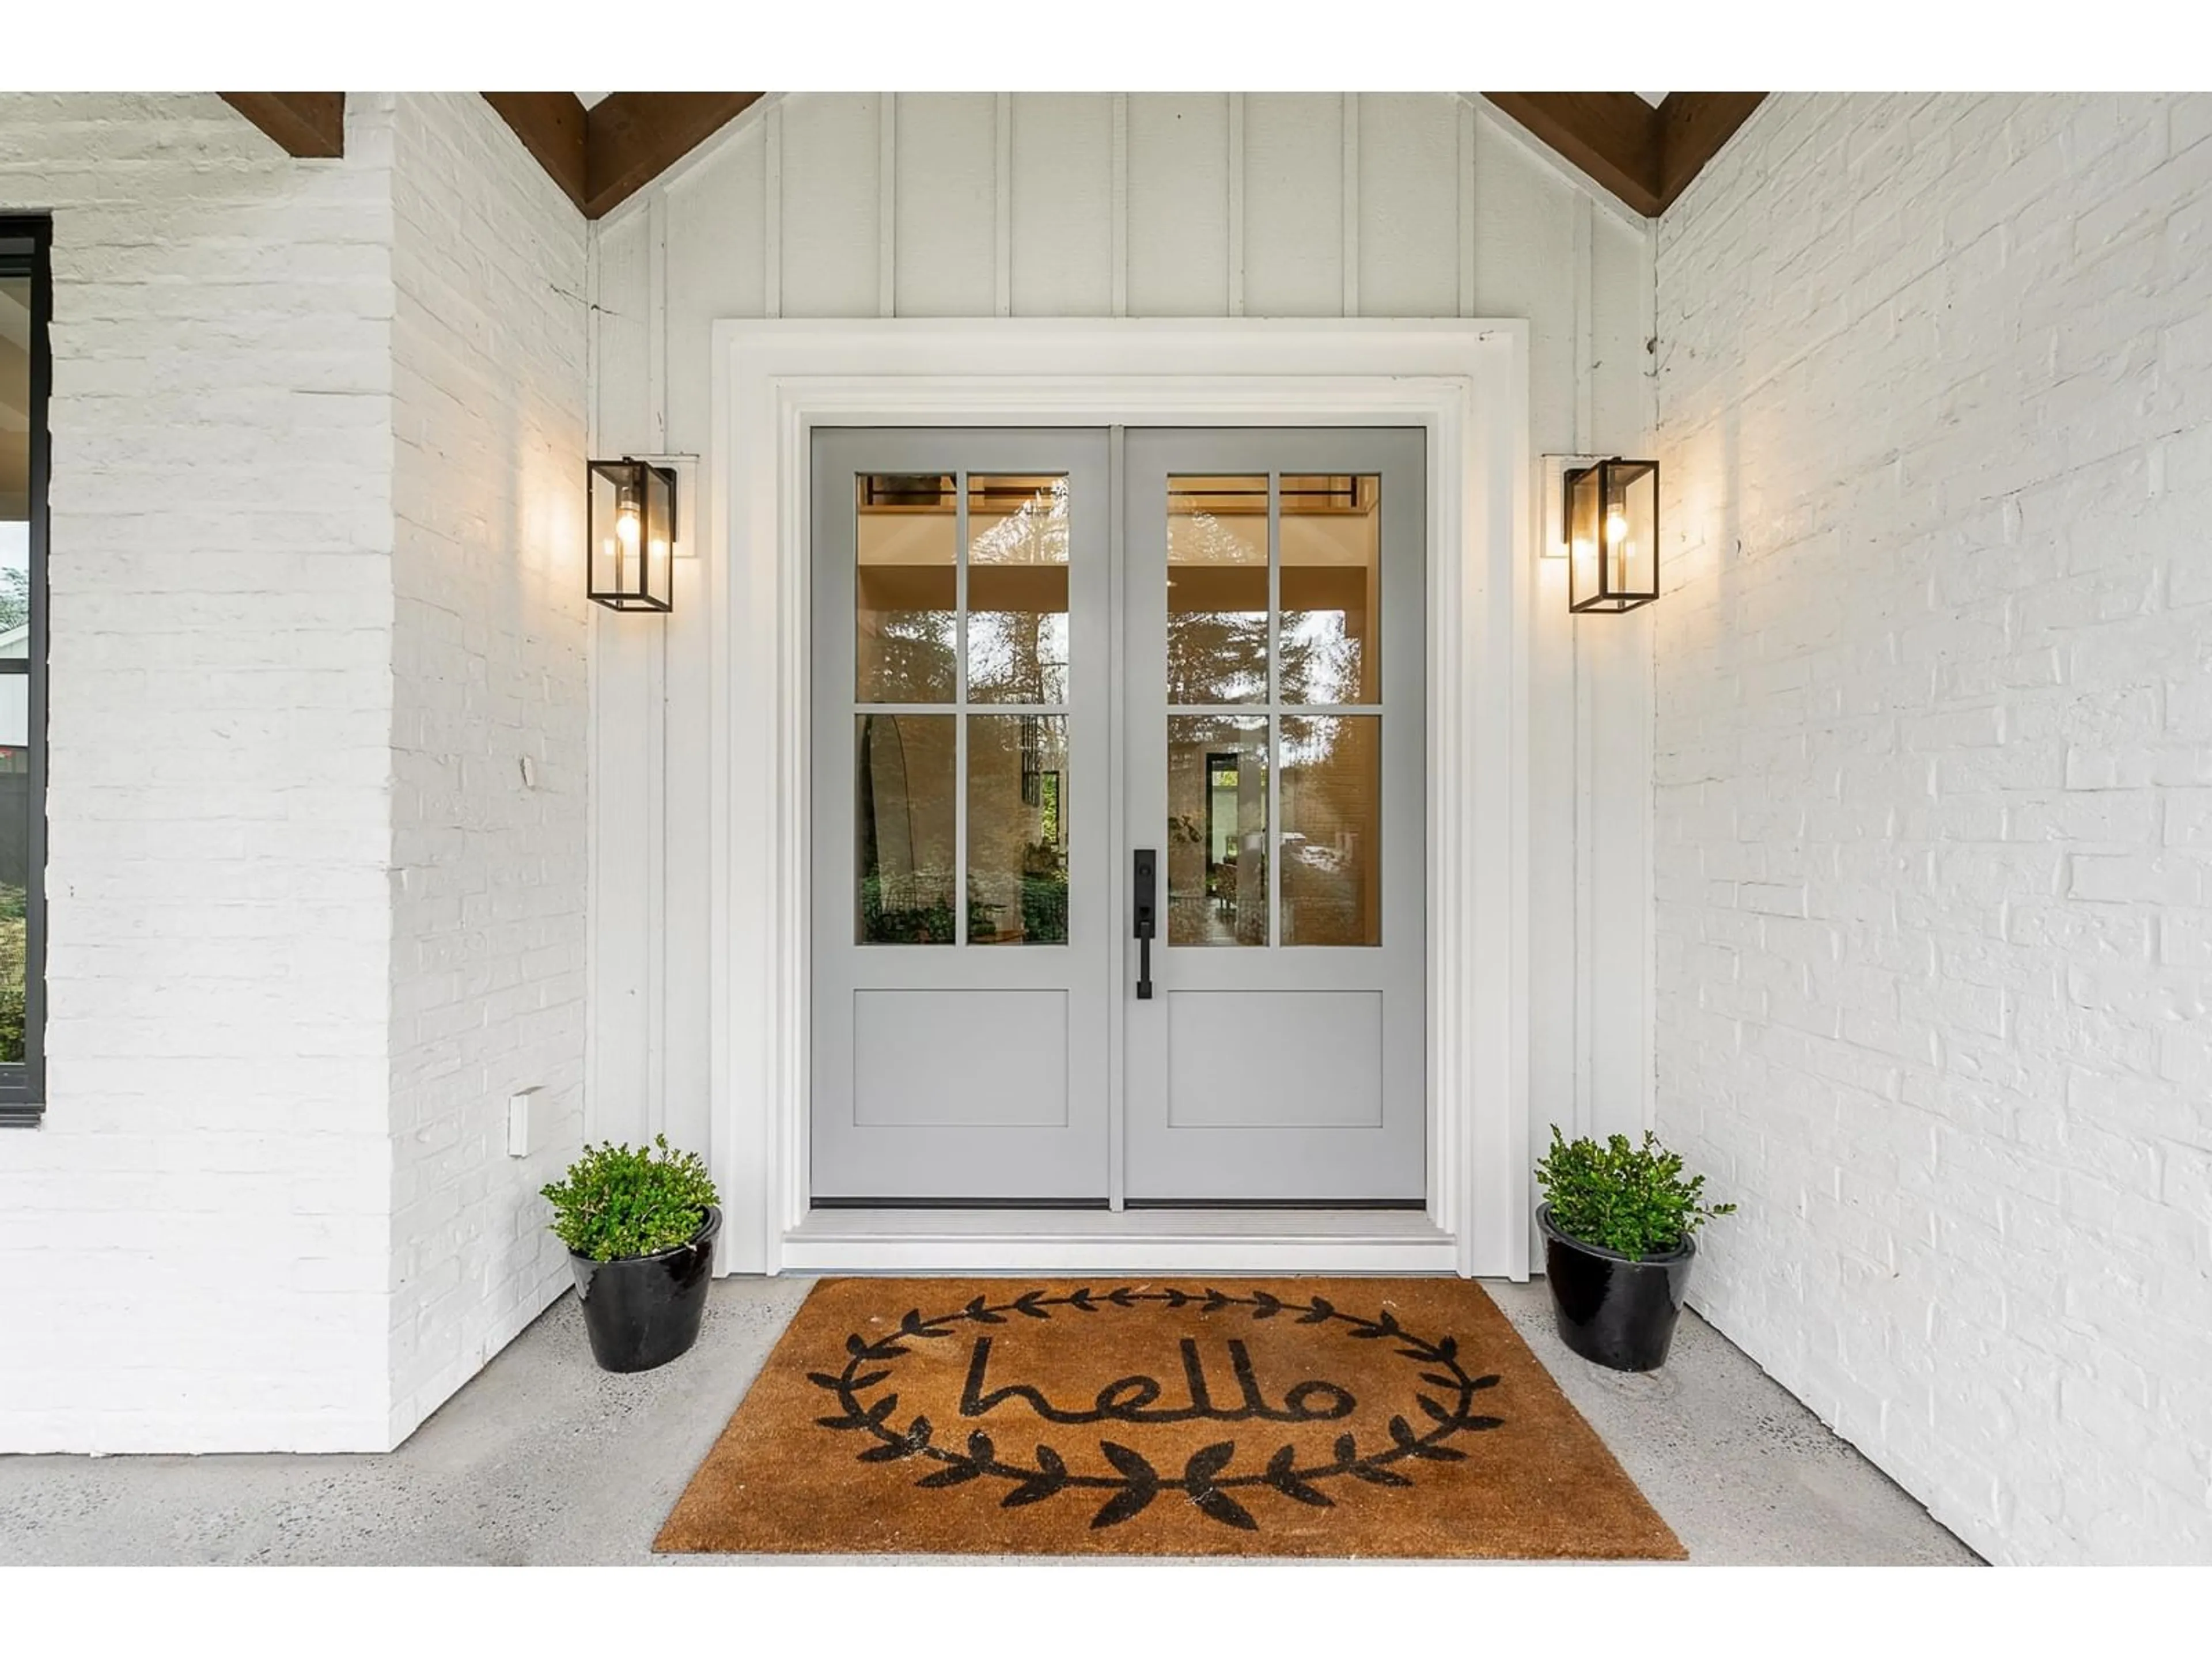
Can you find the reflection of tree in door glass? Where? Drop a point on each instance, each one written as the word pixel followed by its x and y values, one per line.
pixel 1016 590
pixel 904 823
pixel 1217 590
pixel 1332 788
pixel 1017 844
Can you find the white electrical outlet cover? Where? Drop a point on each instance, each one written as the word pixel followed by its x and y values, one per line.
pixel 518 1123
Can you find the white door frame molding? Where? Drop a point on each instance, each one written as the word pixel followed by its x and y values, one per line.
pixel 1466 382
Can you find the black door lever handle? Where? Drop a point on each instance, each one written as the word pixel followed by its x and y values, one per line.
pixel 1143 909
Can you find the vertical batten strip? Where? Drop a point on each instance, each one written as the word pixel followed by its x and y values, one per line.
pixel 1120 204
pixel 656 698
pixel 1585 329
pixel 656 315
pixel 1647 723
pixel 772 214
pixel 1585 643
pixel 1467 141
pixel 594 800
pixel 656 878
pixel 887 205
pixel 1003 213
pixel 1235 205
pixel 1351 204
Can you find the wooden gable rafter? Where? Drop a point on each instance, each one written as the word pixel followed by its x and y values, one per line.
pixel 603 155
pixel 1643 156
pixel 306 124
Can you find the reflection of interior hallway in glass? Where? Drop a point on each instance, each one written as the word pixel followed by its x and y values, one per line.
pixel 1217 854
pixel 1230 863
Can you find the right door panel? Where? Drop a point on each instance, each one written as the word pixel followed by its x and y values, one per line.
pixel 1275 685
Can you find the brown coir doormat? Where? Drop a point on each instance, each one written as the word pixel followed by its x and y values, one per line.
pixel 1296 1417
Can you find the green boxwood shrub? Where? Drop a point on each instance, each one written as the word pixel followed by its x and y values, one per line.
pixel 616 1201
pixel 1632 1199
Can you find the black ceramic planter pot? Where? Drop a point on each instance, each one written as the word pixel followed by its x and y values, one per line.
pixel 642 1311
pixel 1612 1309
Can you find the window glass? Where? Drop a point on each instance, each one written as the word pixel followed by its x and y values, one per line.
pixel 18 784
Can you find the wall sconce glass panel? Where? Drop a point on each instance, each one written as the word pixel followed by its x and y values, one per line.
pixel 633 536
pixel 1613 535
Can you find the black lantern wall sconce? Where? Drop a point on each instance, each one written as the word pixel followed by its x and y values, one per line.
pixel 633 536
pixel 1612 521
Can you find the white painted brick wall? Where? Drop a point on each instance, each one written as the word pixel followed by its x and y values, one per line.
pixel 1934 850
pixel 490 669
pixel 194 1249
pixel 318 439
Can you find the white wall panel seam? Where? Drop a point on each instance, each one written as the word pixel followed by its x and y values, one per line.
pixel 887 205
pixel 1236 299
pixel 1351 203
pixel 1002 213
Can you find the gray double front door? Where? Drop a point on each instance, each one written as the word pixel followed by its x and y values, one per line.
pixel 1118 808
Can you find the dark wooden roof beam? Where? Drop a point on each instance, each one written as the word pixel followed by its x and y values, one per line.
pixel 307 124
pixel 602 156
pixel 555 128
pixel 1691 128
pixel 1644 156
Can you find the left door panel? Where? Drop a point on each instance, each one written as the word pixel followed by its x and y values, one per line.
pixel 959 855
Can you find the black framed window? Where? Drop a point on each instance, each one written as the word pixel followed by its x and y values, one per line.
pixel 26 376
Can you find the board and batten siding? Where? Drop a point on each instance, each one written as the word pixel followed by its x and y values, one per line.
pixel 1122 204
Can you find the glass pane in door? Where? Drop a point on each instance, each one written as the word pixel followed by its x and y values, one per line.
pixel 1217 590
pixel 1018 829
pixel 903 827
pixel 1332 785
pixel 1332 589
pixel 1217 829
pixel 1016 590
pixel 907 589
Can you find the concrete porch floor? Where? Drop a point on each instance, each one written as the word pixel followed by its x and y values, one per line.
pixel 543 1459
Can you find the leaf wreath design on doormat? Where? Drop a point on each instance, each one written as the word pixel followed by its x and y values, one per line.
pixel 1209 1474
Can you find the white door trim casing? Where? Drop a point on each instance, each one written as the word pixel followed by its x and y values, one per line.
pixel 1466 381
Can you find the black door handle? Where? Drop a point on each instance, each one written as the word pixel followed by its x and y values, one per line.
pixel 1144 909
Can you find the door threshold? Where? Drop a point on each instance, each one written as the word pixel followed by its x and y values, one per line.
pixel 1148 1241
